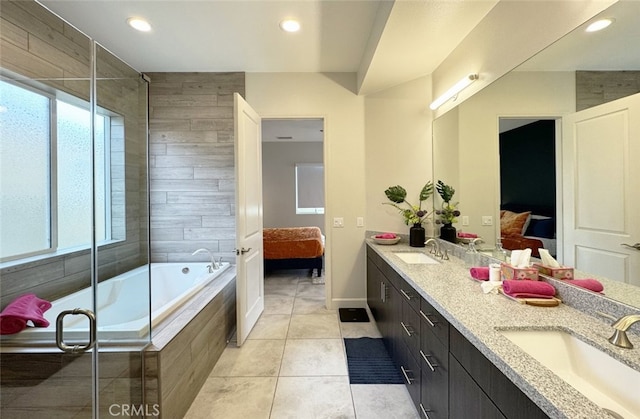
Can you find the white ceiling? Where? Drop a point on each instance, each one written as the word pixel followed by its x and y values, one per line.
pixel 387 42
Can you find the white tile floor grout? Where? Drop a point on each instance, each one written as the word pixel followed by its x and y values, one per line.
pixel 293 364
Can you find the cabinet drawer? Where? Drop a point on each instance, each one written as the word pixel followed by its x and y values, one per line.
pixel 434 322
pixel 410 295
pixel 434 363
pixel 410 328
pixel 410 370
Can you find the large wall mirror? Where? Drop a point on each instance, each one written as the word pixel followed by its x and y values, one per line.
pixel 577 72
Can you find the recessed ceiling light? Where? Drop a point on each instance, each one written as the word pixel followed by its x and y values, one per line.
pixel 139 24
pixel 290 25
pixel 599 25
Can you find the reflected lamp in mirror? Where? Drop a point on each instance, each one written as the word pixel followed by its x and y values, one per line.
pixel 454 90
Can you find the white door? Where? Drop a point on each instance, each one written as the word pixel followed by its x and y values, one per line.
pixel 249 264
pixel 601 177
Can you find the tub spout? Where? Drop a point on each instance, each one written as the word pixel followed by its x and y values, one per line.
pixel 214 265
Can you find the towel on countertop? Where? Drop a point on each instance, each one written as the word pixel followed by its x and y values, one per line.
pixel 385 236
pixel 467 235
pixel 528 289
pixel 590 284
pixel 481 273
pixel 28 307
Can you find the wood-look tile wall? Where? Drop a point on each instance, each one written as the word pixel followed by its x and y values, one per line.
pixel 598 87
pixel 192 164
pixel 36 44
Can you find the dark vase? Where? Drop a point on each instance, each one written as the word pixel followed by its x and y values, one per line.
pixel 448 233
pixel 416 236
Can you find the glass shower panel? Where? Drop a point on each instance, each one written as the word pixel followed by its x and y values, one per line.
pixel 47 60
pixel 123 292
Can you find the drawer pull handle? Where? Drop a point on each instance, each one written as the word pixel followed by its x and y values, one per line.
pixel 406 375
pixel 424 411
pixel 426 317
pixel 383 292
pixel 406 295
pixel 432 366
pixel 407 329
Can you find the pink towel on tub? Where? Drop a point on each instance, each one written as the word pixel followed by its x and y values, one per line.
pixel 15 316
pixel 528 289
pixel 481 273
pixel 386 236
pixel 590 284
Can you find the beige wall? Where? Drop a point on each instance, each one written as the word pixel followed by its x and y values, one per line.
pixel 397 150
pixel 518 94
pixel 279 160
pixel 329 96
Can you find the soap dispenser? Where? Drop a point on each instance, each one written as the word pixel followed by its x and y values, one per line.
pixel 471 256
pixel 498 252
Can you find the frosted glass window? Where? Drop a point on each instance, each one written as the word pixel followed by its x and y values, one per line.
pixel 310 188
pixel 24 171
pixel 46 197
pixel 75 177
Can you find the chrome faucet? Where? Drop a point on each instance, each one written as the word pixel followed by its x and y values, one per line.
pixel 214 265
pixel 436 247
pixel 619 337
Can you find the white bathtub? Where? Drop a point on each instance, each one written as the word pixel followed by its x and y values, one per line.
pixel 122 307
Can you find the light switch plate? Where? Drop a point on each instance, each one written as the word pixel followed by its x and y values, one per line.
pixel 359 221
pixel 465 220
pixel 338 222
pixel 487 220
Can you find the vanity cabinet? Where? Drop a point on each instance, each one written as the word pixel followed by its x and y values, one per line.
pixel 446 375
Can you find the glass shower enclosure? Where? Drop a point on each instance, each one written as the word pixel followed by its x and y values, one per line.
pixel 74 219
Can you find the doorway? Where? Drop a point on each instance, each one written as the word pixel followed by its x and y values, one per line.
pixel 528 179
pixel 293 174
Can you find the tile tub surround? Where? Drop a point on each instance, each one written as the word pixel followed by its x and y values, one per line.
pixel 188 344
pixel 478 316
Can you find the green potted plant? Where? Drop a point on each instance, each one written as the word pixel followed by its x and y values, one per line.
pixel 413 215
pixel 448 214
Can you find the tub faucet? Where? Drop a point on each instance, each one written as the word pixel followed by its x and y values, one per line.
pixel 214 265
pixel 619 337
pixel 436 247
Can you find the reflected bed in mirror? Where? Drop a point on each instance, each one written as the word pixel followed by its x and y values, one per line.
pixel 550 86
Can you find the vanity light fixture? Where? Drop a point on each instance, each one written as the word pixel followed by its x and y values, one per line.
pixel 290 25
pixel 454 90
pixel 599 25
pixel 139 24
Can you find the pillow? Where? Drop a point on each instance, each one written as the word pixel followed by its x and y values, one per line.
pixel 514 224
pixel 545 228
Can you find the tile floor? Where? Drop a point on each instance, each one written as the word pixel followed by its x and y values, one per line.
pixel 293 364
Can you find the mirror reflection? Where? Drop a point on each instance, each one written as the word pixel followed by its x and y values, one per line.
pixel 581 73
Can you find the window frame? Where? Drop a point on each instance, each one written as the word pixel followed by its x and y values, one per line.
pixel 307 210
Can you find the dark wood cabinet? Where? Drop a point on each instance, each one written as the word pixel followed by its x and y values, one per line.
pixel 446 375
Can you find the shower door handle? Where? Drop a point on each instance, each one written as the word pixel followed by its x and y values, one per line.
pixel 60 330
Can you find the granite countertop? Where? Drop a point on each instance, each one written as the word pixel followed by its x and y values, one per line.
pixel 479 317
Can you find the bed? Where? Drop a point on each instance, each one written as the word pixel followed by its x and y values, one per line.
pixel 534 229
pixel 293 248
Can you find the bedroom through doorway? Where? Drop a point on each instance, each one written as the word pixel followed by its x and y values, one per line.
pixel 528 183
pixel 293 198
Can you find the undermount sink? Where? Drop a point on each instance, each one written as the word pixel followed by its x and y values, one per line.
pixel 604 380
pixel 415 257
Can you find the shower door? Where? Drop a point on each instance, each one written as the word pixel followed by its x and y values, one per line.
pixel 73 214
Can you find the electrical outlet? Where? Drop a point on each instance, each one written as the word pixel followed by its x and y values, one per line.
pixel 465 220
pixel 359 221
pixel 487 220
pixel 338 222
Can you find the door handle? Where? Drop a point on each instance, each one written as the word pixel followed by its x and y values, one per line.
pixel 60 331
pixel 242 251
pixel 632 246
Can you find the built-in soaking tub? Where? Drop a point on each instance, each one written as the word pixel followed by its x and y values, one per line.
pixel 123 303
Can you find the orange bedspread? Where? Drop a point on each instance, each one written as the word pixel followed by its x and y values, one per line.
pixel 292 243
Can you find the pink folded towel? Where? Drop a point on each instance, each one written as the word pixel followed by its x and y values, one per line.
pixel 528 289
pixel 15 316
pixel 467 235
pixel 590 284
pixel 480 273
pixel 386 236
